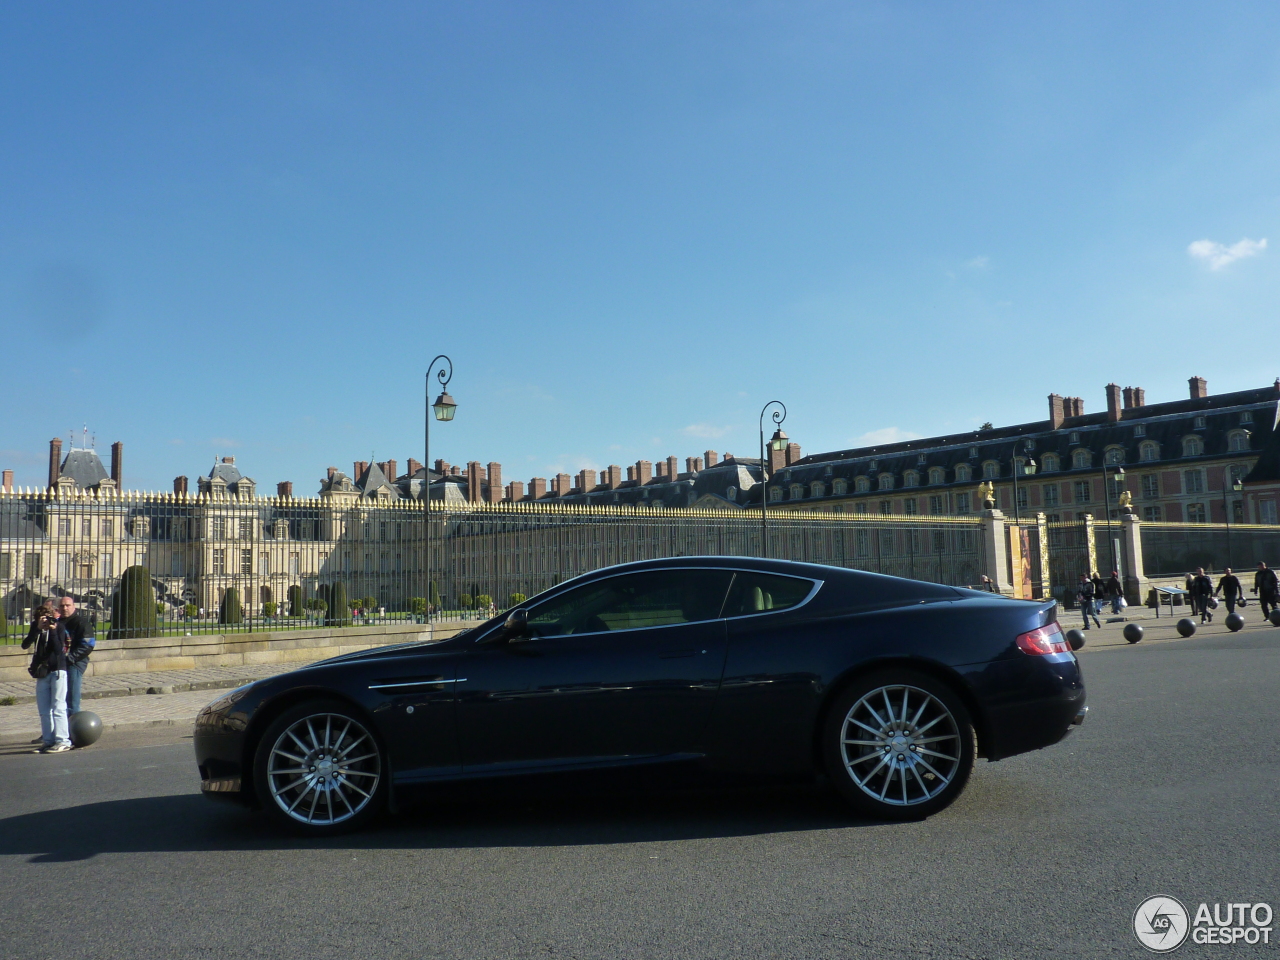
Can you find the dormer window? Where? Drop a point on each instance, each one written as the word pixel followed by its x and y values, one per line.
pixel 1201 423
pixel 911 479
pixel 872 465
pixel 1081 460
pixel 937 475
pixel 1140 430
pixel 991 470
pixel 817 489
pixel 1029 443
pixel 1075 436
pixel 973 453
pixel 964 473
pixel 862 484
pixel 1246 416
pixel 731 493
pixel 827 472
pixel 1192 446
pixel 797 491
pixel 840 487
pixel 921 458
pixel 886 481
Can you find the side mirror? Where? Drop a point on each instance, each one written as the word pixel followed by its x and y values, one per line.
pixel 517 625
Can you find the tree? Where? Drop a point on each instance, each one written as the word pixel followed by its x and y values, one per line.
pixel 369 603
pixel 464 601
pixel 516 599
pixel 295 601
pixel 433 596
pixel 484 602
pixel 269 608
pixel 191 610
pixel 230 611
pixel 335 597
pixel 418 606
pixel 133 606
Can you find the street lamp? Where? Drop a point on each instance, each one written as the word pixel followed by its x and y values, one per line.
pixel 1027 468
pixel 444 409
pixel 1106 494
pixel 1236 487
pixel 778 442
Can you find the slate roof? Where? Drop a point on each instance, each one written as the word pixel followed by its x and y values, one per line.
pixel 85 468
pixel 686 490
pixel 374 480
pixel 1267 469
pixel 225 471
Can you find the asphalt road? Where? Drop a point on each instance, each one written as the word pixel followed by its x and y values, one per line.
pixel 1170 787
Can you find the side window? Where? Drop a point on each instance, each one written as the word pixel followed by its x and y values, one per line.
pixel 654 598
pixel 762 592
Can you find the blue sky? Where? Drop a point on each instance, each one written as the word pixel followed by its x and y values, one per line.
pixel 245 228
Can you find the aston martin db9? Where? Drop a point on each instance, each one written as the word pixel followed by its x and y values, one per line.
pixel 888 687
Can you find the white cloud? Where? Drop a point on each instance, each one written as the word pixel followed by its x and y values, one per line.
pixel 978 263
pixel 1218 255
pixel 874 438
pixel 706 431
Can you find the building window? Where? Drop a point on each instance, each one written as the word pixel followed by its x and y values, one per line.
pixel 1200 424
pixel 840 487
pixel 797 491
pixel 775 494
pixel 1140 430
pixel 911 479
pixel 1081 459
pixel 1151 487
pixel 246 529
pixel 108 529
pixel 973 453
pixel 1238 441
pixel 1246 416
pixel 64 566
pixel 246 562
pixel 264 564
pixel 886 506
pixel 220 560
pixel 1151 514
pixel 218 528
pixel 990 470
pixel 1050 463
pixel 1083 491
pixel 6 566
pixel 1195 513
pixel 937 475
pixel 86 527
pixel 33 567
pixel 935 505
pixel 962 503
pixel 1149 450
pixel 1113 455
pixel 886 481
pixel 64 526
pixel 817 489
pixel 731 493
pixel 1193 481
pixel 860 507
pixel 1075 437
pixel 909 506
pixel 963 473
pixel 293 564
pixel 921 458
pixel 1192 447
pixel 1267 511
pixel 862 484
pixel 1049 492
pixel 1022 498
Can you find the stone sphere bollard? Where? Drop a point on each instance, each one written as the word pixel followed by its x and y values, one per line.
pixel 1186 626
pixel 86 728
pixel 1274 617
pixel 1133 632
pixel 1234 622
pixel 1075 637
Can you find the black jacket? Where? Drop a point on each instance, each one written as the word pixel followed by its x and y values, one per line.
pixel 54 647
pixel 1112 587
pixel 1264 581
pixel 1230 586
pixel 1202 587
pixel 78 629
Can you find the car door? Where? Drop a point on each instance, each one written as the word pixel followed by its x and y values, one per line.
pixel 619 669
pixel 416 711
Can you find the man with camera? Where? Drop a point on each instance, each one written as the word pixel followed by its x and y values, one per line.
pixel 49 663
pixel 78 629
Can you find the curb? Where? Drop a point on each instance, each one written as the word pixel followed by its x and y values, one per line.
pixel 17 738
pixel 140 691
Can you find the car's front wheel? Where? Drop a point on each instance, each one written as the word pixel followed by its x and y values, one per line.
pixel 898 745
pixel 319 769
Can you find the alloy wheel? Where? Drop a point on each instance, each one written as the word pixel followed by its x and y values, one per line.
pixel 901 745
pixel 323 769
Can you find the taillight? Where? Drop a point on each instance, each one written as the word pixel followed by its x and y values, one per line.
pixel 1044 641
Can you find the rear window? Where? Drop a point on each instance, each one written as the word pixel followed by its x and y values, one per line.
pixel 763 592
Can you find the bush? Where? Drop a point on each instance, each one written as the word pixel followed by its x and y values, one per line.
pixel 295 601
pixel 191 610
pixel 418 606
pixel 133 606
pixel 464 601
pixel 269 608
pixel 484 602
pixel 334 596
pixel 230 611
pixel 433 596
pixel 516 599
pixel 369 603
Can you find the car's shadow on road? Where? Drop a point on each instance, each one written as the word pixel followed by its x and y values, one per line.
pixel 189 822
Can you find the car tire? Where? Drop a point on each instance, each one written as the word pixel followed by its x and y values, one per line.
pixel 898 745
pixel 319 769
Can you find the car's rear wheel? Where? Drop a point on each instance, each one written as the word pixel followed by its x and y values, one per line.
pixel 319 769
pixel 898 745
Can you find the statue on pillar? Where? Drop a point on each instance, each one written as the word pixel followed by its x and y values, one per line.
pixel 987 495
pixel 1126 503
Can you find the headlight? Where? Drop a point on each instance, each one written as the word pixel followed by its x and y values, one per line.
pixel 226 700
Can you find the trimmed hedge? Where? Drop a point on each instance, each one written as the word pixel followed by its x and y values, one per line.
pixel 133 606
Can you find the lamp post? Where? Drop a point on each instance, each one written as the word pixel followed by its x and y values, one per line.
pixel 1106 495
pixel 1027 468
pixel 778 442
pixel 443 408
pixel 1236 487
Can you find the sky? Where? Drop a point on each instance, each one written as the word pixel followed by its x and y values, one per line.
pixel 245 229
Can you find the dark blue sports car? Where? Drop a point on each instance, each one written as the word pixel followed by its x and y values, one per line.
pixel 889 687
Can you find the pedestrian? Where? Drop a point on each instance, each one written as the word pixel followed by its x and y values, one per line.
pixel 988 584
pixel 81 639
pixel 1097 592
pixel 1113 591
pixel 49 668
pixel 1189 587
pixel 1266 587
pixel 1231 590
pixel 1202 590
pixel 1085 596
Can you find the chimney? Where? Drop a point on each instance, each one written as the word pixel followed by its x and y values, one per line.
pixel 179 484
pixel 644 471
pixel 1113 403
pixel 55 461
pixel 389 470
pixel 1139 397
pixel 537 488
pixel 1057 412
pixel 612 477
pixel 8 480
pixel 117 463
pixel 442 467
pixel 474 477
pixel 515 491
pixel 1128 398
pixel 230 460
pixel 332 471
pixel 560 485
pixel 673 469
pixel 793 453
pixel 413 467
pixel 660 469
pixel 360 466
pixel 586 480
pixel 284 489
pixel 692 465
pixel 631 474
pixel 453 469
pixel 710 457
pixel 494 477
pixel 1199 388
pixel 1075 407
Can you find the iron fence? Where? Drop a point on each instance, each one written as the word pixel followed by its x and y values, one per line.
pixel 1174 549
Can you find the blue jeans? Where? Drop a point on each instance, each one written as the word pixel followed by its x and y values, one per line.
pixel 51 701
pixel 75 677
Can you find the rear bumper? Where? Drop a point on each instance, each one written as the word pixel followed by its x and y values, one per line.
pixel 1037 704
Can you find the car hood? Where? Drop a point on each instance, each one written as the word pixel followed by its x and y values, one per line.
pixel 377 653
